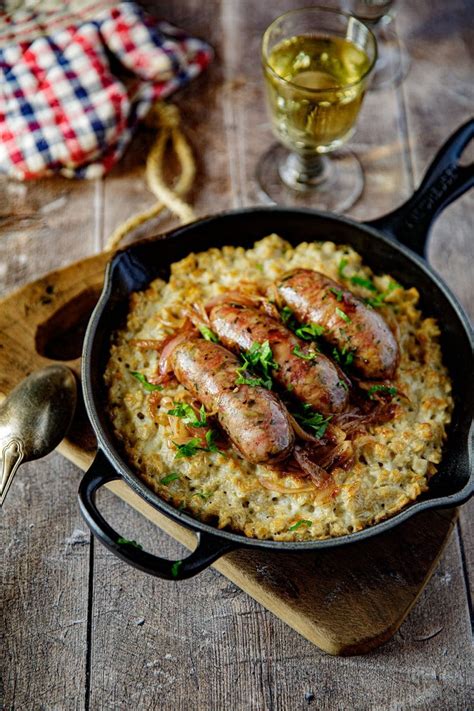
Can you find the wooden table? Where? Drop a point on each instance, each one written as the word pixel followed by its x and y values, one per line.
pixel 85 631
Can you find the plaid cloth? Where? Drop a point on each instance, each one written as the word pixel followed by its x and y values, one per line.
pixel 62 109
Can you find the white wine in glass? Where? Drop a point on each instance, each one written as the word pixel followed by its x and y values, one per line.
pixel 316 64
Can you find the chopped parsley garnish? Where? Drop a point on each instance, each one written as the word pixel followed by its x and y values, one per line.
pixel 169 478
pixel 253 382
pixel 260 358
pixel 259 266
pixel 337 293
pixel 188 414
pixel 382 389
pixel 312 420
pixel 307 332
pixel 126 542
pixel 366 283
pixel 288 318
pixel 362 281
pixel 340 270
pixel 208 334
pixel 342 314
pixel 201 495
pixel 261 355
pixel 310 331
pixel 345 356
pixel 305 356
pixel 175 568
pixel 343 384
pixel 149 387
pixel 194 445
pixel 378 300
pixel 301 522
pixel 189 449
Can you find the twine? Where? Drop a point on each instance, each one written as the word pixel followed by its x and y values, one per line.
pixel 167 119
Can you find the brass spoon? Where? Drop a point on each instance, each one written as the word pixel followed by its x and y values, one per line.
pixel 34 418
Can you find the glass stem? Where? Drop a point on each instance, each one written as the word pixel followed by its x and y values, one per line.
pixel 304 171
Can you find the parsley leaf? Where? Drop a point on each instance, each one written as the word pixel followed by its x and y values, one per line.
pixel 362 281
pixel 378 300
pixel 188 449
pixel 175 568
pixel 310 331
pixel 307 332
pixel 261 355
pixel 305 356
pixel 188 415
pixel 301 522
pixel 208 334
pixel 312 420
pixel 169 478
pixel 202 495
pixel 211 445
pixel 253 382
pixel 356 280
pixel 149 387
pixel 288 318
pixel 194 445
pixel 340 270
pixel 260 358
pixel 337 293
pixel 382 389
pixel 344 356
pixel 126 542
pixel 342 314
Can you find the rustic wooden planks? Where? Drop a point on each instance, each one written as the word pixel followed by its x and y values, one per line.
pixel 45 572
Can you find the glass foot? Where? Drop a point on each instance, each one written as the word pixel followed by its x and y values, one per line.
pixel 331 184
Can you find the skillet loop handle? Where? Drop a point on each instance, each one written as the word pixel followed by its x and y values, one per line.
pixel 444 181
pixel 209 547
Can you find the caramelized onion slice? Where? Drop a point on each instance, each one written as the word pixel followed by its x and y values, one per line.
pixel 274 486
pixel 319 476
pixel 197 314
pixel 230 297
pixel 170 344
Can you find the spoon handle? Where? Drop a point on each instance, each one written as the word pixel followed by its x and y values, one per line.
pixel 11 456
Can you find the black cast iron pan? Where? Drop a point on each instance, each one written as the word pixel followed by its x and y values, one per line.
pixel 393 244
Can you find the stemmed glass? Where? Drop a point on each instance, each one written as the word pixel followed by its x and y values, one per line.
pixel 393 61
pixel 317 63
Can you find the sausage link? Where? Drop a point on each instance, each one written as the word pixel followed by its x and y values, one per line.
pixel 254 418
pixel 317 382
pixel 349 324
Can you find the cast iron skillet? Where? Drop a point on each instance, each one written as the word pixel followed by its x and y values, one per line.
pixel 393 244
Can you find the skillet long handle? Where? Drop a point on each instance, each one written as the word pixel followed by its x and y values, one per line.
pixel 444 181
pixel 209 547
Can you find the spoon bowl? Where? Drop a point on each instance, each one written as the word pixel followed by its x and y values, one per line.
pixel 34 418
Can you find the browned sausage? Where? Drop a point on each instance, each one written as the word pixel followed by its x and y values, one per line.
pixel 254 418
pixel 317 382
pixel 349 324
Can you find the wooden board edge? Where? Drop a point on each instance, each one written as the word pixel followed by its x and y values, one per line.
pixel 280 608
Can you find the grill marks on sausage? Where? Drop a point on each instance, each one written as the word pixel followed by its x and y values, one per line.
pixel 317 382
pixel 349 324
pixel 254 418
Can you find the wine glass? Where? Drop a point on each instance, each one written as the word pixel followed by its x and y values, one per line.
pixel 393 61
pixel 316 63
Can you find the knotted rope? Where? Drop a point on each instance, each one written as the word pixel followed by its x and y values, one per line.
pixel 166 118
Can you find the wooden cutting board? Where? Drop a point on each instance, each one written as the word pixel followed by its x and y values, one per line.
pixel 346 601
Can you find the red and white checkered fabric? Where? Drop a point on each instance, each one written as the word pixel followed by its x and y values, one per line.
pixel 63 110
